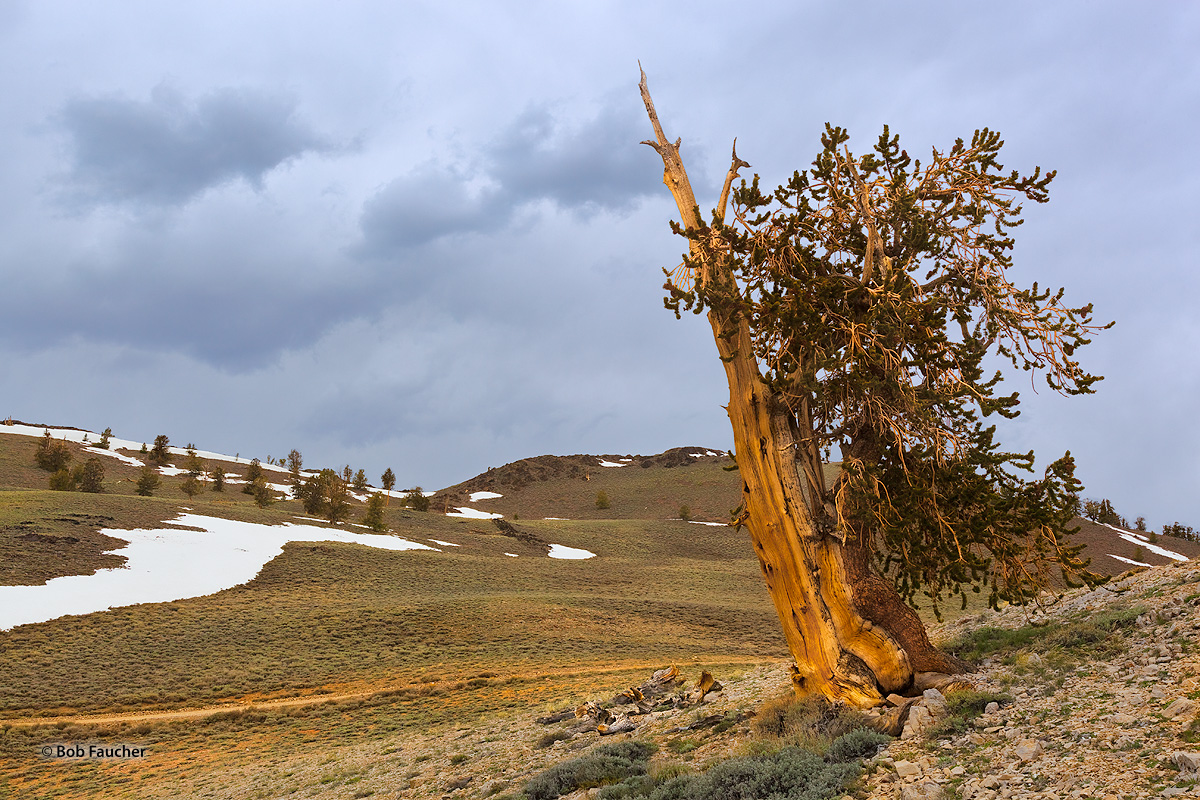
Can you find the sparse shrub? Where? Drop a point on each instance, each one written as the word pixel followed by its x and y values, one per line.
pixel 607 764
pixel 148 481
pixel 812 722
pixel 416 500
pixel 254 471
pixel 856 745
pixel 963 707
pixel 52 454
pixel 685 513
pixel 191 486
pixel 263 495
pixel 103 444
pixel 1139 554
pixel 602 501
pixel 217 476
pixel 459 758
pixel 63 481
pixel 195 464
pixel 373 518
pixel 791 773
pixel 91 476
pixel 158 454
pixel 143 451
pixel 324 494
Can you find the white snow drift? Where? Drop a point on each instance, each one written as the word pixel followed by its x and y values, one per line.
pixel 166 564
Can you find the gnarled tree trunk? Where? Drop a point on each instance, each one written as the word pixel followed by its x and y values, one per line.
pixel 851 635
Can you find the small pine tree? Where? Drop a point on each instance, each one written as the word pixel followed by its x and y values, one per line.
pixel 360 481
pixel 143 451
pixel 347 474
pixel 64 480
pixel 1139 555
pixel 158 454
pixel 373 518
pixel 91 476
pixel 388 481
pixel 263 496
pixel 415 499
pixel 104 437
pixel 254 471
pixel 217 476
pixel 602 499
pixel 685 513
pixel 294 462
pixel 195 464
pixel 191 486
pixel 52 454
pixel 148 481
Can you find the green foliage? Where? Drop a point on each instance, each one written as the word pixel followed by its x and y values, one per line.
pixel 855 745
pixel 103 444
pixel 191 486
pixel 148 482
pixel 388 480
pixel 195 464
pixel 91 476
pixel 254 472
pixel 606 764
pixel 63 481
pixel 373 517
pixel 158 454
pixel 602 501
pixel 217 475
pixel 263 495
pixel 416 500
pixel 1180 531
pixel 294 463
pixel 962 707
pixel 875 290
pixel 685 513
pixel 325 495
pixel 360 481
pixel 1096 636
pixel 1102 512
pixel 790 773
pixel 52 454
pixel 811 722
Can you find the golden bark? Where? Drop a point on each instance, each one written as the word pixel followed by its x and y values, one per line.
pixel 818 592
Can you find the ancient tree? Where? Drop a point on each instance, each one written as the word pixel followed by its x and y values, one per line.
pixel 852 309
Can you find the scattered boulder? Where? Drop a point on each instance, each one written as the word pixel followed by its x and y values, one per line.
pixel 1180 708
pixel 1185 760
pixel 927 790
pixel 1029 749
pixel 908 769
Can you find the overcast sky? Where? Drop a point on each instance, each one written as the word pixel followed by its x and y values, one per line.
pixel 424 235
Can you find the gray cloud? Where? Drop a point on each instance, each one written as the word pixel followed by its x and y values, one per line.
pixel 169 149
pixel 584 168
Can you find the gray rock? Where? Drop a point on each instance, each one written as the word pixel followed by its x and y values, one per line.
pixel 1029 749
pixel 922 791
pixel 1180 708
pixel 1185 760
pixel 935 701
pixel 920 720
pixel 992 708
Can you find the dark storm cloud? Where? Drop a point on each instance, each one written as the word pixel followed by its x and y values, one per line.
pixel 598 165
pixel 168 149
pixel 593 166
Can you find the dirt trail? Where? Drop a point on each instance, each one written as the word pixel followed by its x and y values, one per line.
pixel 200 712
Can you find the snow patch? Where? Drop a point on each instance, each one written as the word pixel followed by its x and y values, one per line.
pixel 514 555
pixel 714 524
pixel 573 553
pixel 472 513
pixel 477 496
pixel 166 564
pixel 560 519
pixel 137 462
pixel 445 544
pixel 1143 541
pixel 1128 560
pixel 604 463
pixel 171 472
